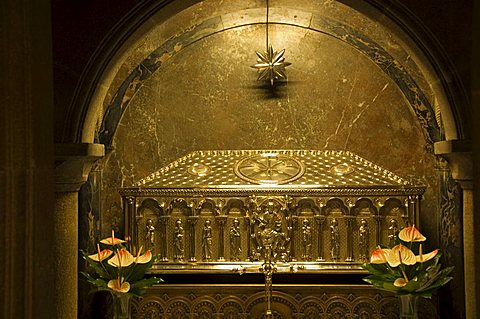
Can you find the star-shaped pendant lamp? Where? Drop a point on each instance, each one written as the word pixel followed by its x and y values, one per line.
pixel 271 64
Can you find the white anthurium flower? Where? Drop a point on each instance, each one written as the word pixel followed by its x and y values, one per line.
pixel 400 255
pixel 112 241
pixel 411 233
pixel 122 258
pixel 119 286
pixel 145 258
pixel 421 258
pixel 101 255
pixel 400 282
pixel 379 256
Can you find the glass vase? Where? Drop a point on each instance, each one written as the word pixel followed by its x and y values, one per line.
pixel 408 306
pixel 121 303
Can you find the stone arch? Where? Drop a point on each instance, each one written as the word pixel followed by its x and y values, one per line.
pixel 92 91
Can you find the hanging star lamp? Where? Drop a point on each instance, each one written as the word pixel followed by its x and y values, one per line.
pixel 270 64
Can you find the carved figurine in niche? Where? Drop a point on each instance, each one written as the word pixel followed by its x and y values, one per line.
pixel 270 237
pixel 307 240
pixel 281 240
pixel 266 235
pixel 150 234
pixel 392 232
pixel 207 239
pixel 235 240
pixel 178 237
pixel 334 240
pixel 363 236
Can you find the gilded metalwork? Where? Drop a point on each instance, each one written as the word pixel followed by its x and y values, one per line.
pixel 363 240
pixel 235 241
pixel 199 169
pixel 334 240
pixel 271 65
pixel 270 235
pixel 178 241
pixel 342 169
pixel 207 238
pixel 229 166
pixel 319 221
pixel 245 301
pixel 306 240
pixel 150 234
pixel 269 168
pixel 392 232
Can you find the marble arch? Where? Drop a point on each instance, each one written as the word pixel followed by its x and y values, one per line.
pixel 430 97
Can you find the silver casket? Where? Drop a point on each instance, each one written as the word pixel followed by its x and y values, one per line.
pixel 308 212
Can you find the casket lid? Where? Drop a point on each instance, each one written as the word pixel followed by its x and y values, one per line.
pixel 276 169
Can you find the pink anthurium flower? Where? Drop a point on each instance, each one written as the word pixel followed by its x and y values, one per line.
pixel 409 234
pixel 145 258
pixel 112 241
pixel 122 258
pixel 379 256
pixel 118 286
pixel 101 255
pixel 400 255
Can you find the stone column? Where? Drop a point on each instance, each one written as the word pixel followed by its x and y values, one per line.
pixel 473 310
pixel 66 250
pixel 458 154
pixel 76 161
pixel 471 249
pixel 26 162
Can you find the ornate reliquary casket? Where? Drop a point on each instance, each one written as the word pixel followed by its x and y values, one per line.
pixel 304 211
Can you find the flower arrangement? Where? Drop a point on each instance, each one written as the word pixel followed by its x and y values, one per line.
pixel 404 269
pixel 117 270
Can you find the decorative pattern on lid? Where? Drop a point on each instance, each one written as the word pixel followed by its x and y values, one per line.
pixel 288 168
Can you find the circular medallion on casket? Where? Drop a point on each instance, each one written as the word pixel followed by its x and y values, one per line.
pixel 199 169
pixel 342 169
pixel 269 168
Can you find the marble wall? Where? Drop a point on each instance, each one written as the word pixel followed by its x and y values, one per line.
pixel 207 97
pixel 349 88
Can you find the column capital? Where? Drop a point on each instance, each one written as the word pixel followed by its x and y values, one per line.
pixel 73 162
pixel 459 154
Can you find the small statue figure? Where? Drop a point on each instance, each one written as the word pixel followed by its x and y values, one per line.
pixel 235 240
pixel 334 240
pixel 178 236
pixel 363 236
pixel 280 243
pixel 207 240
pixel 150 234
pixel 392 232
pixel 307 240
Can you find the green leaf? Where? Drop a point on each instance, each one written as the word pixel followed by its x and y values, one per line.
pixel 97 282
pixel 411 286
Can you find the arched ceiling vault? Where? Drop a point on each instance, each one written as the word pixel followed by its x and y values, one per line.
pixel 176 27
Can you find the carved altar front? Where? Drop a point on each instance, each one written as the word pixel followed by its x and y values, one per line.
pixel 298 211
